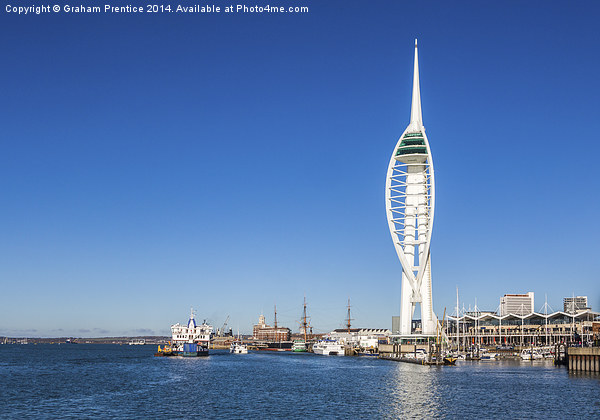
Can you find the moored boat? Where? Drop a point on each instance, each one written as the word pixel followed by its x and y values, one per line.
pixel 328 347
pixel 275 345
pixel 450 360
pixel 485 355
pixel 299 346
pixel 531 354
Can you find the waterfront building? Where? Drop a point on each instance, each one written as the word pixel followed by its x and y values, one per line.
pixel 575 303
pixel 521 330
pixel 520 304
pixel 262 331
pixel 410 204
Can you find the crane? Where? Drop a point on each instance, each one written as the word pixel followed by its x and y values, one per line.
pixel 222 332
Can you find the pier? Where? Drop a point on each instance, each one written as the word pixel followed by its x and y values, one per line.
pixel 429 354
pixel 584 359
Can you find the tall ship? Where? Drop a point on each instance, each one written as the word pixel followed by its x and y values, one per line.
pixel 190 340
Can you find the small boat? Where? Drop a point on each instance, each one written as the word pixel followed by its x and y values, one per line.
pixel 449 360
pixel 531 354
pixel 485 355
pixel 419 354
pixel 299 346
pixel 238 348
pixel 166 350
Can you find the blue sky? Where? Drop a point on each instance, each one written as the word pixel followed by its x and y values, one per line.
pixel 230 162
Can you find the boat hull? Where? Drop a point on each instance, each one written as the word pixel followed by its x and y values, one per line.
pixel 199 353
pixel 277 346
pixel 328 349
pixel 329 352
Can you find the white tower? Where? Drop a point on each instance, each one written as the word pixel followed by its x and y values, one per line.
pixel 410 203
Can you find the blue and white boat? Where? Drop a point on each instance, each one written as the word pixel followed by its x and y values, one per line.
pixel 191 340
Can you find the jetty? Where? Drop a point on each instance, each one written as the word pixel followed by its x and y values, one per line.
pixel 427 355
pixel 583 359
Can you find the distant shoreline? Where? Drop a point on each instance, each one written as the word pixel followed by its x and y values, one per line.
pixel 148 339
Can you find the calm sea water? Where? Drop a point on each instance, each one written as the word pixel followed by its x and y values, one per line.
pixel 110 381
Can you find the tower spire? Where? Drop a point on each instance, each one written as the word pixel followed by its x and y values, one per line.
pixel 416 118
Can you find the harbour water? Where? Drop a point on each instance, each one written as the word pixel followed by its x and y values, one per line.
pixel 111 381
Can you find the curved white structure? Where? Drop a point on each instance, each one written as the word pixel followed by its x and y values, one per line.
pixel 410 204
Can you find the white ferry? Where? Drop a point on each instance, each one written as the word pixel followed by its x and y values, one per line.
pixel 188 340
pixel 328 347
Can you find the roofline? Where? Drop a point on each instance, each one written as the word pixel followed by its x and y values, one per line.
pixel 529 315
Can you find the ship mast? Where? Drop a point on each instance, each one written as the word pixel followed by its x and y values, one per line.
pixel 304 321
pixel 348 320
pixel 275 324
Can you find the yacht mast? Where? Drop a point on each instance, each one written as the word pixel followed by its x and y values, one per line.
pixel 457 323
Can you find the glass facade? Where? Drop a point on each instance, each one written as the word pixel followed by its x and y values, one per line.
pixel 412 143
